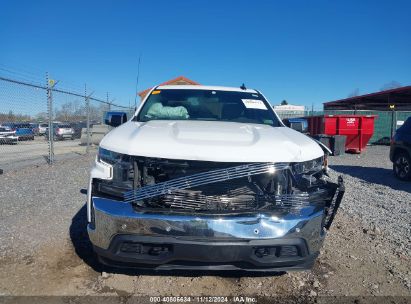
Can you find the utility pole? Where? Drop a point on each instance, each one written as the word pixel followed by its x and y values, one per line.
pixel 87 102
pixel 50 86
pixel 108 102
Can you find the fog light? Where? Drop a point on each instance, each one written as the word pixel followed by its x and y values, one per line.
pixel 288 251
pixel 157 250
pixel 264 251
pixel 131 247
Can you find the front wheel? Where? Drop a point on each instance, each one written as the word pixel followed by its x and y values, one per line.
pixel 402 166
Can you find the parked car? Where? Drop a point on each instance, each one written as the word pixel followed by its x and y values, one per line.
pixel 61 131
pixel 35 128
pixel 209 178
pixel 400 151
pixel 78 126
pixel 22 130
pixel 7 136
pixel 42 128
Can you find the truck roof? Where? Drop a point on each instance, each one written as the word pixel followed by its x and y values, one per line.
pixel 203 87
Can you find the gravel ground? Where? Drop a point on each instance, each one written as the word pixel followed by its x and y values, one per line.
pixel 35 152
pixel 44 248
pixel 375 196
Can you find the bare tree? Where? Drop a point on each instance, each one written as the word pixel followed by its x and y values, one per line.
pixel 66 112
pixel 71 111
pixel 354 93
pixel 42 116
pixel 391 85
pixel 11 117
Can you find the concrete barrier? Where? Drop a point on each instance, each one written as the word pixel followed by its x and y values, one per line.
pixel 97 133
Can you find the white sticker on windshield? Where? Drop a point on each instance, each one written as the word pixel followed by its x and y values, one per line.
pixel 254 104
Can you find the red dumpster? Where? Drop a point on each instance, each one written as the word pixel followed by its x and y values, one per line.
pixel 358 129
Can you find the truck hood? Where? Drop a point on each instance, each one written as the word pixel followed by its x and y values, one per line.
pixel 211 141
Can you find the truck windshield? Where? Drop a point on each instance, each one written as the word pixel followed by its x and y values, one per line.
pixel 210 105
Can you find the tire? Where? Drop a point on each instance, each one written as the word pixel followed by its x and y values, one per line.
pixel 402 166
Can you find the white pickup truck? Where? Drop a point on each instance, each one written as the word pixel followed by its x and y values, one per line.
pixel 205 177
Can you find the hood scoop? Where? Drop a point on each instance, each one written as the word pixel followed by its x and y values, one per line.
pixel 211 141
pixel 214 133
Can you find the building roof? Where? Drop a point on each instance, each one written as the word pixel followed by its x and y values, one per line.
pixel 179 79
pixel 289 107
pixel 399 97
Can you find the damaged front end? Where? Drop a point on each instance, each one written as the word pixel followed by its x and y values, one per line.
pixel 192 214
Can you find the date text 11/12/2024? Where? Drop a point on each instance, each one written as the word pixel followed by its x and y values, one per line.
pixel 203 299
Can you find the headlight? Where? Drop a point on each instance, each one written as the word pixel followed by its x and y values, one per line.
pixel 308 173
pixel 120 162
pixel 120 181
pixel 307 167
pixel 108 156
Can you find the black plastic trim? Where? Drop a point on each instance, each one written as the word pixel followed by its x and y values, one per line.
pixel 203 254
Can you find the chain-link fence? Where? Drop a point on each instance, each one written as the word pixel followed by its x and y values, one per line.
pixel 42 122
pixel 385 124
pixel 295 114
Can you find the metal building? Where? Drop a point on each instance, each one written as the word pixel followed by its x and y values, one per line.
pixel 391 106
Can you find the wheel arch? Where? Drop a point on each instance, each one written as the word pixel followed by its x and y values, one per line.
pixel 399 150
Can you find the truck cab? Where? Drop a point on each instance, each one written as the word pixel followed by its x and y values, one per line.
pixel 205 177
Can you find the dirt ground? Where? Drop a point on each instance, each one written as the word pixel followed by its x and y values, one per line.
pixel 351 263
pixel 354 261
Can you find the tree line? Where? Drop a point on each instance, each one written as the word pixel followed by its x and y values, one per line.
pixel 68 112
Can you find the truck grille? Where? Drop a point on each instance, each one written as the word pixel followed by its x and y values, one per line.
pixel 203 186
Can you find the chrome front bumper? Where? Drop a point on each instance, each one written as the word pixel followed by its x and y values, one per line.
pixel 114 220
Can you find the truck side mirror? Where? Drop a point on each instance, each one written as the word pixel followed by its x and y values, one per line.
pixel 115 119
